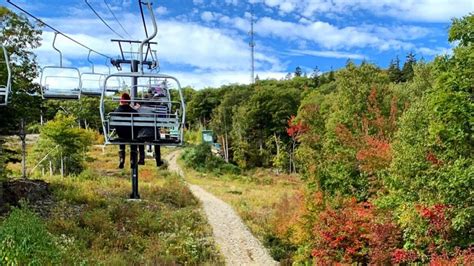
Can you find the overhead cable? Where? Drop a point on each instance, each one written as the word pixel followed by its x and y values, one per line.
pixel 57 31
pixel 113 14
pixel 103 21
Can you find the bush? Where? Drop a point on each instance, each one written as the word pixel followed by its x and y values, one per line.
pixel 61 138
pixel 25 240
pixel 201 159
pixel 354 233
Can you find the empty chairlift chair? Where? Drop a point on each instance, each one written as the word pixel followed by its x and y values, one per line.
pixel 59 82
pixel 158 121
pixel 91 82
pixel 5 78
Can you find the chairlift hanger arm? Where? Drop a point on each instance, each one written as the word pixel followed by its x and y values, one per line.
pixel 149 38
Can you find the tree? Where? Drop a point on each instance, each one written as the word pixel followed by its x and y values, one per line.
pixel 262 115
pixel 433 149
pixel 394 72
pixel 20 36
pixel 201 105
pixel 222 122
pixel 315 77
pixel 298 72
pixel 64 144
pixel 407 70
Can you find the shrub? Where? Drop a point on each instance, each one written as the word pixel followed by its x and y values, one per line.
pixel 354 233
pixel 61 138
pixel 201 158
pixel 25 240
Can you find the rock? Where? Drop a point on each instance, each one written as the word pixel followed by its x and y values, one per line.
pixel 36 192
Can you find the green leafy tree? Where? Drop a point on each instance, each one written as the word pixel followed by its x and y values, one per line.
pixel 20 36
pixel 64 144
pixel 201 105
pixel 264 114
pixel 433 152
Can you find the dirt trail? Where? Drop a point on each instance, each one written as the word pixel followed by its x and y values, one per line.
pixel 236 243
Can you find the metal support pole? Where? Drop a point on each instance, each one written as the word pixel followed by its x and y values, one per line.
pixel 134 167
pixel 158 155
pixel 133 148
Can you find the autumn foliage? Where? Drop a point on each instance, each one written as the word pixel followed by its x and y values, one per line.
pixel 354 233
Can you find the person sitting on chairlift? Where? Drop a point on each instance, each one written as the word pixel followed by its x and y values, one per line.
pixel 125 132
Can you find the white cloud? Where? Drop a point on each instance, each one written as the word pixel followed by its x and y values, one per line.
pixel 161 10
pixel 330 54
pixel 206 48
pixel 411 10
pixel 207 16
pixel 232 2
pixel 434 51
pixel 218 78
pixel 321 33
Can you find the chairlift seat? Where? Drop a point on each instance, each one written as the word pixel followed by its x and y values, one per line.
pixel 153 124
pixel 91 84
pixel 5 88
pixel 70 84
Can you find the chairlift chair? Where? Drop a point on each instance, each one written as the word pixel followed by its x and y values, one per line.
pixel 5 86
pixel 165 127
pixel 91 81
pixel 59 82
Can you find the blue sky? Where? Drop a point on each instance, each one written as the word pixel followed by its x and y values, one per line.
pixel 205 42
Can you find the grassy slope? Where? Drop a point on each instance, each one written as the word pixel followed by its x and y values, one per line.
pixel 98 224
pixel 253 195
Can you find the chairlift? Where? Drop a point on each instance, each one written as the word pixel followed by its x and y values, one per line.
pixel 59 82
pixel 6 84
pixel 91 81
pixel 115 85
pixel 154 123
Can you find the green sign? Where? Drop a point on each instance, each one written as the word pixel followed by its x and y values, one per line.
pixel 207 136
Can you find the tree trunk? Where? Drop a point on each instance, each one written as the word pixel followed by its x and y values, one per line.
pixel 62 165
pixel 23 148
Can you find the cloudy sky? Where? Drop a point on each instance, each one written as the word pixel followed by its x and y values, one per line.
pixel 206 42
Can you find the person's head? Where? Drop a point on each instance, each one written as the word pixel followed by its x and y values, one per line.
pixel 158 91
pixel 125 99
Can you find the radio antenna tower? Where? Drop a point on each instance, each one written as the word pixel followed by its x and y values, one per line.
pixel 252 46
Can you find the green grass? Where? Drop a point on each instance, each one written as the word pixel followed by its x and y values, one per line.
pixel 100 226
pixel 253 195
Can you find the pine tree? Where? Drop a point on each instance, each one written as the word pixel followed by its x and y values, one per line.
pixel 298 71
pixel 394 72
pixel 331 76
pixel 315 76
pixel 407 71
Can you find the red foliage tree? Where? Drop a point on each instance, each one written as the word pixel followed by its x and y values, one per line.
pixel 372 139
pixel 356 232
pixel 295 129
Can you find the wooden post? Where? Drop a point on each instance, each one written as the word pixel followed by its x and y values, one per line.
pixel 22 135
pixel 62 165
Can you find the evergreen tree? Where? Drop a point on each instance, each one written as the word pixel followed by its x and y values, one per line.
pixel 298 71
pixel 407 71
pixel 331 76
pixel 394 72
pixel 315 76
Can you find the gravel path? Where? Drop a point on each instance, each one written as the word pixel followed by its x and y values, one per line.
pixel 236 243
